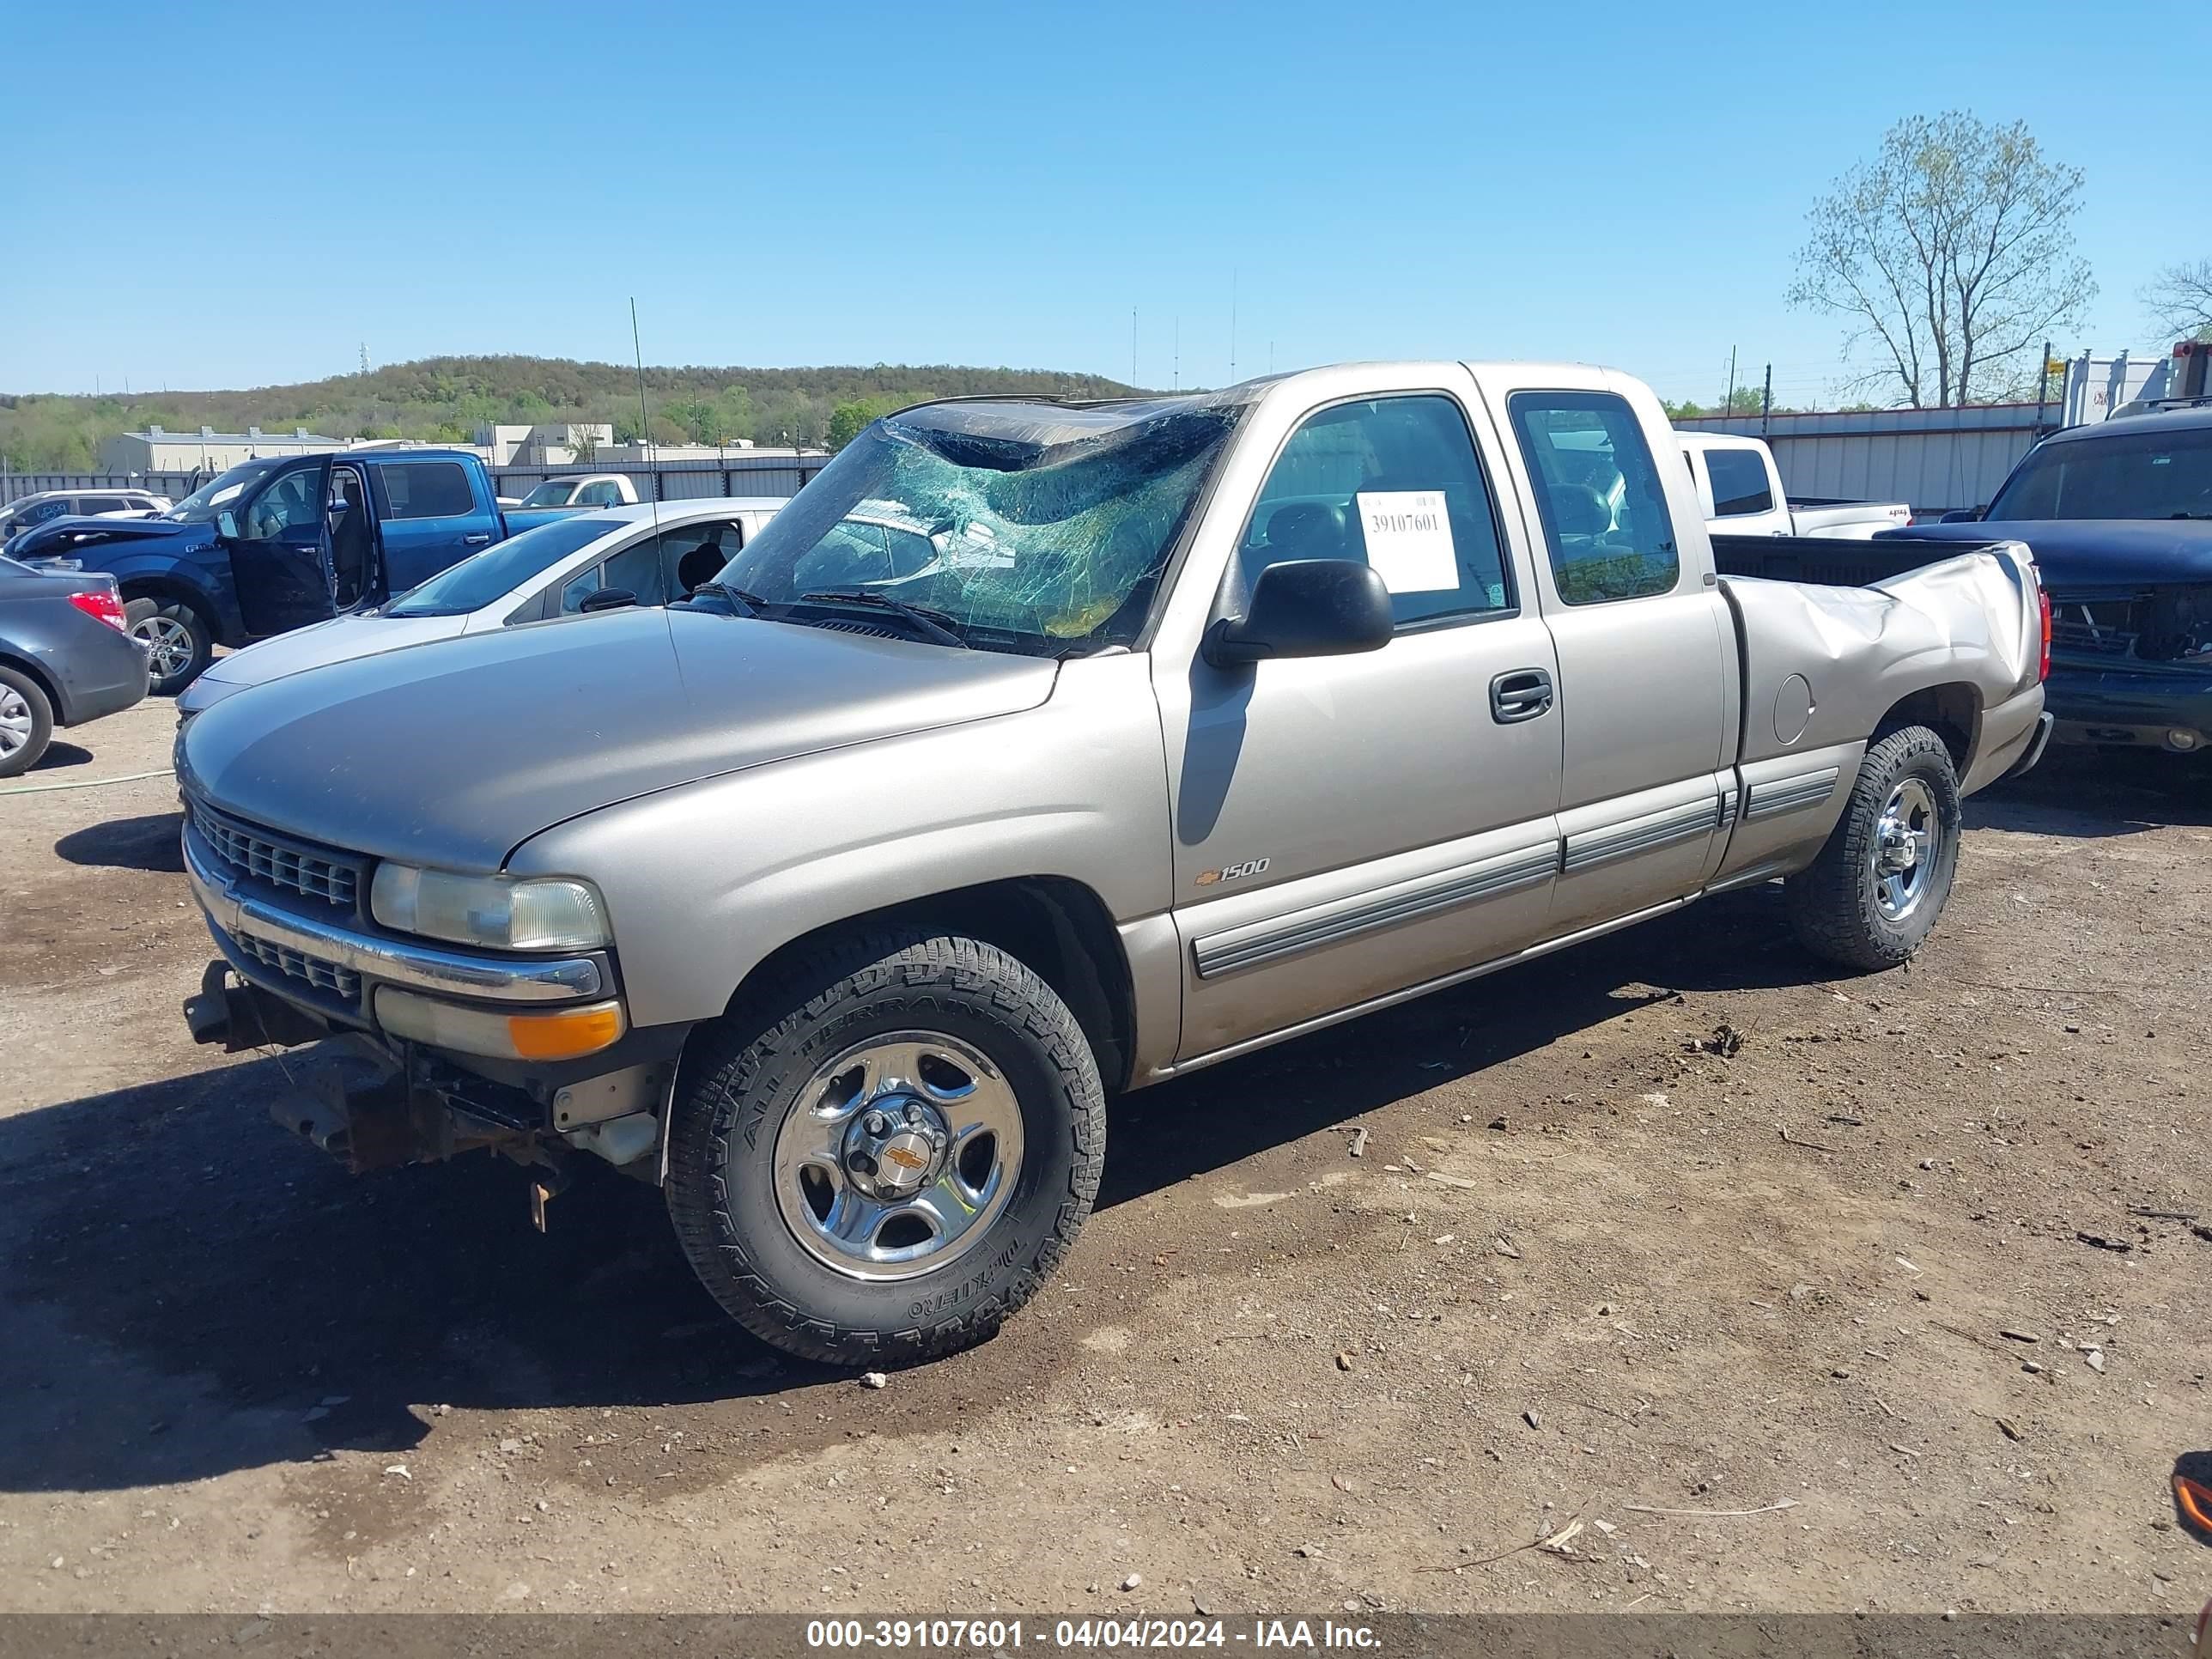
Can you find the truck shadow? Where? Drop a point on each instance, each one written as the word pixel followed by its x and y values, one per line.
pixel 186 1293
pixel 150 842
pixel 2091 797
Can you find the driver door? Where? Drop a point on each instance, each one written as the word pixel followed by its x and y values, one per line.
pixel 279 544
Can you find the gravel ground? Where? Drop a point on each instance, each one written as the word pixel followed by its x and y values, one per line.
pixel 1902 1302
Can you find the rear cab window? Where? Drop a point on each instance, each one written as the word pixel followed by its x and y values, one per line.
pixel 1393 483
pixel 1740 485
pixel 426 490
pixel 1599 495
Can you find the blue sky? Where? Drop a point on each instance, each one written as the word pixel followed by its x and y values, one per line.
pixel 240 195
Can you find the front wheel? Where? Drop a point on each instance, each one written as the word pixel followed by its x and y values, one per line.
pixel 886 1165
pixel 178 642
pixel 1873 895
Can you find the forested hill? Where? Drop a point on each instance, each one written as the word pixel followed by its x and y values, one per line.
pixel 446 398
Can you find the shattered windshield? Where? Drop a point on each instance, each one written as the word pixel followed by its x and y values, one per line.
pixel 1012 526
pixel 219 492
pixel 2118 474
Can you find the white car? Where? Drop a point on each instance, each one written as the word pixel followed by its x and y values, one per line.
pixel 1741 490
pixel 608 560
pixel 88 503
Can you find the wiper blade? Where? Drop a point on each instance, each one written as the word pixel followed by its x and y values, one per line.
pixel 751 603
pixel 933 625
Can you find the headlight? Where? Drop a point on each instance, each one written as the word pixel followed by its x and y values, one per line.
pixel 500 911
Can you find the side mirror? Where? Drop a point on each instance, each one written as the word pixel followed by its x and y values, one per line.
pixel 1963 515
pixel 1306 608
pixel 607 599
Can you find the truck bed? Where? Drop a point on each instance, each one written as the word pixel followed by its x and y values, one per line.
pixel 1825 562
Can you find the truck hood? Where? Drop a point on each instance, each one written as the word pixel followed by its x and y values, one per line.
pixel 2087 556
pixel 70 537
pixel 454 753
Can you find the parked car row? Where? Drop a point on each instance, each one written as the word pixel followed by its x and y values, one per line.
pixel 27 511
pixel 1033 750
pixel 272 545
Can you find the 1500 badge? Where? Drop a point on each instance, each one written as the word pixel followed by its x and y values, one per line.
pixel 1232 872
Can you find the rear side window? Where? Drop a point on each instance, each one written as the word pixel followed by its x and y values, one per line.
pixel 104 504
pixel 1605 518
pixel 1740 485
pixel 428 489
pixel 1395 484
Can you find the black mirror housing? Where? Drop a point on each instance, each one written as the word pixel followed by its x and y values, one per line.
pixel 1306 608
pixel 607 599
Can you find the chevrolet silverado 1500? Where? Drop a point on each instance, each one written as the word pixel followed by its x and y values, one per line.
pixel 837 899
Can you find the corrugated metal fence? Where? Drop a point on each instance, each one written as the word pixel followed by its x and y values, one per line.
pixel 670 481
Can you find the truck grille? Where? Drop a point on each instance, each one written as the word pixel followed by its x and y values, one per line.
pixel 317 971
pixel 254 851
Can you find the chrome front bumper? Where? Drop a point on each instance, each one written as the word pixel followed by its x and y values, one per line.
pixel 235 913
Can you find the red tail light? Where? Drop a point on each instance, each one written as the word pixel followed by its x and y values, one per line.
pixel 2043 602
pixel 100 603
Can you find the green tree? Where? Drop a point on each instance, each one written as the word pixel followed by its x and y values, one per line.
pixel 1950 256
pixel 848 419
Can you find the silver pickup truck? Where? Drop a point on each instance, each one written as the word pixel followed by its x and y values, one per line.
pixel 837 900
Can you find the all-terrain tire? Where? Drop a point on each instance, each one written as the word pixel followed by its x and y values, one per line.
pixel 184 641
pixel 741 1075
pixel 30 722
pixel 1835 904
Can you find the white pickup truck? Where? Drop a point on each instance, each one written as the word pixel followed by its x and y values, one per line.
pixel 581 490
pixel 1741 490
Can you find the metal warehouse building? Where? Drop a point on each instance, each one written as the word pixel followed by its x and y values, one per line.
pixel 207 450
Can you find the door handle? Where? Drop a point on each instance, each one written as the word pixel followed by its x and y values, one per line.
pixel 1520 695
pixel 476 540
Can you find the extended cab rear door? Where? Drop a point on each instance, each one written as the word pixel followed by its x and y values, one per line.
pixel 1346 827
pixel 1647 688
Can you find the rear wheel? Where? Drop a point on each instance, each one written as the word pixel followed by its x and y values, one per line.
pixel 178 642
pixel 27 722
pixel 887 1166
pixel 1873 894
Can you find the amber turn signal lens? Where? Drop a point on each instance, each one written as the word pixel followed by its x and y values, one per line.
pixel 567 1035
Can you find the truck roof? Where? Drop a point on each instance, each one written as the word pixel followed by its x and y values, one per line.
pixel 2160 419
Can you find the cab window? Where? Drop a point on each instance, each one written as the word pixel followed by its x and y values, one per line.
pixel 289 510
pixel 1393 483
pixel 428 489
pixel 1740 485
pixel 636 569
pixel 1606 523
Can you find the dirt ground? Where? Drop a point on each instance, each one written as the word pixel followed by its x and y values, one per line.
pixel 1914 1263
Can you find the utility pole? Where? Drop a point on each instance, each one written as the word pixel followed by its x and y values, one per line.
pixel 1176 384
pixel 1766 402
pixel 1132 348
pixel 1729 407
pixel 2043 389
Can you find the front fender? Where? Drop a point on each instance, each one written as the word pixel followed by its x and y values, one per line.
pixel 201 573
pixel 705 881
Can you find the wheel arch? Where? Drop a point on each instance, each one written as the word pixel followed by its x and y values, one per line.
pixel 36 674
pixel 173 590
pixel 1952 710
pixel 1056 926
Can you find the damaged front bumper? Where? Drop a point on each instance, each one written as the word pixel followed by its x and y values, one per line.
pixel 378 1096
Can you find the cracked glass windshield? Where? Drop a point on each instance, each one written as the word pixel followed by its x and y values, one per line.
pixel 1007 525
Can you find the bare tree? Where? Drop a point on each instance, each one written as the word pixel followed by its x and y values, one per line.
pixel 1952 253
pixel 2180 301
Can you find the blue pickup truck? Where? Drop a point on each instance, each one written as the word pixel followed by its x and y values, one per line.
pixel 272 545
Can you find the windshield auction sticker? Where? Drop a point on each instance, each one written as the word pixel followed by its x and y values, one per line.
pixel 1409 539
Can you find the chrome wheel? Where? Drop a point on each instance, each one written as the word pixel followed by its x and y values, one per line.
pixel 897 1156
pixel 15 722
pixel 1907 844
pixel 168 644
